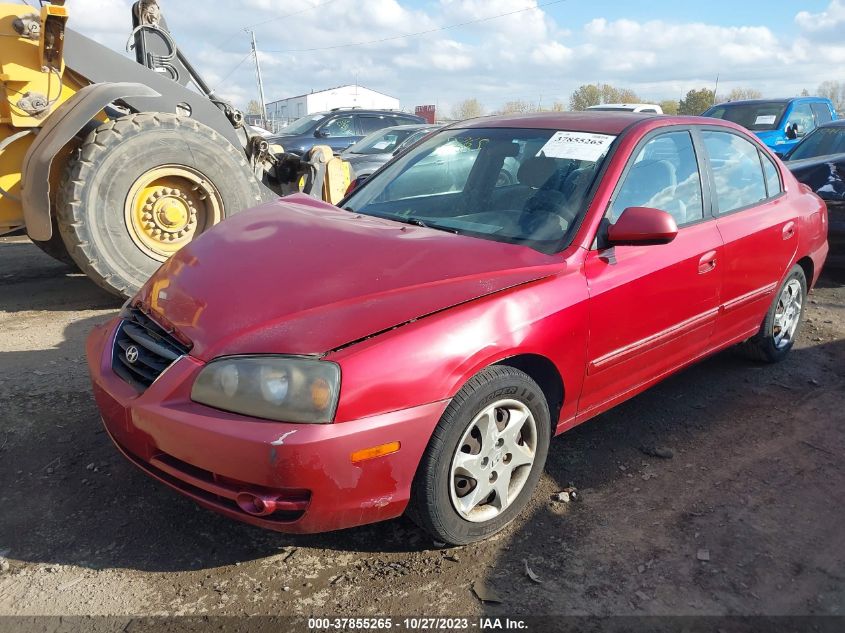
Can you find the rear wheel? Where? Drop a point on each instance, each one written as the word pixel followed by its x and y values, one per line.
pixel 484 458
pixel 780 327
pixel 143 186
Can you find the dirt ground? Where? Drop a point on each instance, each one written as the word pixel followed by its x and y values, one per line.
pixel 745 518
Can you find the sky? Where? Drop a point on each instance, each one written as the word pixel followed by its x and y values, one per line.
pixel 540 52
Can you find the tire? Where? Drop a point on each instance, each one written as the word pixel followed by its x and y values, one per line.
pixel 104 187
pixel 771 344
pixel 441 486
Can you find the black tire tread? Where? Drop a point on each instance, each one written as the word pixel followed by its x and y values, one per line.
pixel 71 215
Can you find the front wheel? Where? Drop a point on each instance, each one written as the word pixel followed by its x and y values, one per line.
pixel 783 320
pixel 484 458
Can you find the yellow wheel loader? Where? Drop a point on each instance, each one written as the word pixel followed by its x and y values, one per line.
pixel 112 164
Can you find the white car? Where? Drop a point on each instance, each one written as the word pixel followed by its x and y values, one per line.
pixel 649 108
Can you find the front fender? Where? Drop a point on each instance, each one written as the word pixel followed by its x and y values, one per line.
pixel 65 123
pixel 430 359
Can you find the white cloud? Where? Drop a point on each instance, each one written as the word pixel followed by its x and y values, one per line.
pixel 830 20
pixel 525 55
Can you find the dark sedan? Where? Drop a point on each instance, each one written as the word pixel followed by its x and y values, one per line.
pixel 819 162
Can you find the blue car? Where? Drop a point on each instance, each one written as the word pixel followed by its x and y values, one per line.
pixel 779 123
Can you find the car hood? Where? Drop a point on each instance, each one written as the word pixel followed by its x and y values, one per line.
pixel 365 163
pixel 299 276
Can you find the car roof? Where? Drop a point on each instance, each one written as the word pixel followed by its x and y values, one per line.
pixel 836 123
pixel 623 105
pixel 365 111
pixel 783 100
pixel 595 121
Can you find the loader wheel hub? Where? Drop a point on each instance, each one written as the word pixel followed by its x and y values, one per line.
pixel 168 206
pixel 171 211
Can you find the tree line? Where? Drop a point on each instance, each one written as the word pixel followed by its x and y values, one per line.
pixel 693 103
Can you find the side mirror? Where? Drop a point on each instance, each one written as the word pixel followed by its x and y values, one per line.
pixel 794 131
pixel 641 226
pixel 321 134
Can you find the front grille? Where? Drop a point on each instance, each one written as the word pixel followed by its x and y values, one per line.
pixel 143 350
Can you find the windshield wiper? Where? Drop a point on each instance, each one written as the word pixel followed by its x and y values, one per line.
pixel 425 225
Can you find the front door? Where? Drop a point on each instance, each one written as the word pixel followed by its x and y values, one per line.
pixel 653 308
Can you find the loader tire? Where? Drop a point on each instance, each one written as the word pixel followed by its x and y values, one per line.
pixel 142 186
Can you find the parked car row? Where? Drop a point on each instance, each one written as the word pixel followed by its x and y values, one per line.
pixel 338 128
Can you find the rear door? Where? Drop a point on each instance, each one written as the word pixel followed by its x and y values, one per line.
pixel 757 224
pixel 654 307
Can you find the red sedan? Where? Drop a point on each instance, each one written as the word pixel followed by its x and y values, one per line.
pixel 304 367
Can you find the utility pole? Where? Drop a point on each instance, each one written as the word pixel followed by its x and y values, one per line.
pixel 258 75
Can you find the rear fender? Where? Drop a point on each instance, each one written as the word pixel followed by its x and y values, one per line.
pixel 65 123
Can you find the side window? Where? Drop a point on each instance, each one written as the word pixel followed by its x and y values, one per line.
pixel 370 124
pixel 664 175
pixel 737 172
pixel 822 112
pixel 339 126
pixel 802 114
pixel 772 178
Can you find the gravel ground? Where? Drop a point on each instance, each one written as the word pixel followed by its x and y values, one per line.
pixel 745 517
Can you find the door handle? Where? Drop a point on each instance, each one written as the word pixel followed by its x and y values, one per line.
pixel 707 262
pixel 788 230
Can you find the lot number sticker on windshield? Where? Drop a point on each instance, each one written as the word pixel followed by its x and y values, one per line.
pixel 576 146
pixel 765 119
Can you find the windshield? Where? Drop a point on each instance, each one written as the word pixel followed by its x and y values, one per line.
pixel 821 142
pixel 303 125
pixel 522 186
pixel 381 142
pixel 757 117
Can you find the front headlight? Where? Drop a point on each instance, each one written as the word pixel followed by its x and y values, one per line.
pixel 283 388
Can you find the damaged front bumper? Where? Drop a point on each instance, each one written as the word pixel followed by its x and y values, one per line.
pixel 281 476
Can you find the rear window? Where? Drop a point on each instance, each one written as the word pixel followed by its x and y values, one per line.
pixel 822 142
pixel 757 117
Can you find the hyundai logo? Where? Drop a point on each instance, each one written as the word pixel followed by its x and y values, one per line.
pixel 132 354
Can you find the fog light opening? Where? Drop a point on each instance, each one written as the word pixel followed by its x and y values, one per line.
pixel 256 505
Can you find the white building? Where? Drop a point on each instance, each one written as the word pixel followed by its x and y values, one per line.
pixel 349 96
